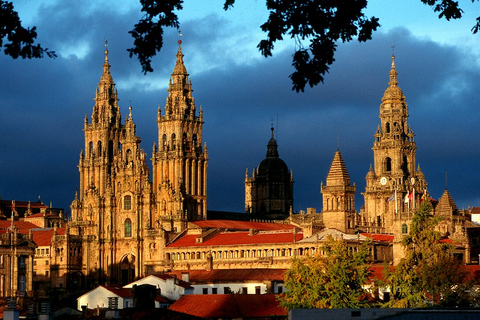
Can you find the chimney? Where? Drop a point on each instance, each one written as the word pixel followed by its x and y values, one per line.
pixel 186 276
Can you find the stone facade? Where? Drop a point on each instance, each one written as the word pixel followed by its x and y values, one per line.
pixel 121 219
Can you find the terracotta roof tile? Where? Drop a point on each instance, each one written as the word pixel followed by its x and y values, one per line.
pixel 379 237
pixel 230 305
pixel 241 225
pixel 235 275
pixel 22 226
pixel 475 210
pixel 43 237
pixel 237 238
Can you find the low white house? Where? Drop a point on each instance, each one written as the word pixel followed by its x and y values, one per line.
pixel 100 296
pixel 168 286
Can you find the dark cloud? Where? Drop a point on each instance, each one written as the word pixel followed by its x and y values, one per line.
pixel 44 103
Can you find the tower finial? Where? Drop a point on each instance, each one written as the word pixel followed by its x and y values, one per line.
pixel 106 50
pixel 393 73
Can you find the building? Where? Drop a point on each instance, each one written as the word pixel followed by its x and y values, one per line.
pixel 17 250
pixel 125 226
pixel 120 219
pixel 269 191
pixel 168 286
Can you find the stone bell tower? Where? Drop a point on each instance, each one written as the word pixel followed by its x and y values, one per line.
pixel 180 159
pixel 393 186
pixel 339 197
pixel 113 202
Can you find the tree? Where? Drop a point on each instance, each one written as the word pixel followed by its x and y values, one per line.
pixel 334 280
pixel 429 275
pixel 321 23
pixel 318 23
pixel 19 42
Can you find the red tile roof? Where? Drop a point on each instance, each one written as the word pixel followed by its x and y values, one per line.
pixel 379 237
pixel 475 210
pixel 232 275
pixel 22 226
pixel 43 237
pixel 22 204
pixel 237 238
pixel 230 305
pixel 241 225
pixel 121 292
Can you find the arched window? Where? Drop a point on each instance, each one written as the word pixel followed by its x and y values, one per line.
pixel 99 148
pixel 387 127
pixel 129 156
pixel 388 164
pixel 90 148
pixel 404 229
pixel 128 227
pixel 185 142
pixel 127 202
pixel 174 141
pixel 164 142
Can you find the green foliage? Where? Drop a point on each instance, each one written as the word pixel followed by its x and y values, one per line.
pixel 316 26
pixel 19 42
pixel 321 23
pixel 429 275
pixel 331 281
pixel 148 32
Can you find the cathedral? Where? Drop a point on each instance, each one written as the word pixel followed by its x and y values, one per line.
pixel 125 226
pixel 121 219
pixel 127 222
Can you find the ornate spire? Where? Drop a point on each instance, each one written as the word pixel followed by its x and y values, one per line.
pixel 179 66
pixel 106 76
pixel 106 109
pixel 272 147
pixel 338 174
pixel 393 92
pixel 446 206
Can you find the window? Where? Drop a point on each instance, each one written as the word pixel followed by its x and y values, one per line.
pixel 127 202
pixel 227 290
pixel 128 227
pixel 244 290
pixel 214 290
pixel 404 229
pixel 46 273
pixel 205 291
pixel 257 290
pixel 164 142
pixel 46 262
pixel 388 164
pixel 174 142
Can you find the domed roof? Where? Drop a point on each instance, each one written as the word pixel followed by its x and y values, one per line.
pixel 272 167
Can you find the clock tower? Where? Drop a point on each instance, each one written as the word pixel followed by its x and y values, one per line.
pixel 394 186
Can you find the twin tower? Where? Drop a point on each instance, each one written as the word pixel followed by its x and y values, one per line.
pixel 120 217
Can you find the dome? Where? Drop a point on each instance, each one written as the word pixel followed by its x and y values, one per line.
pixel 272 168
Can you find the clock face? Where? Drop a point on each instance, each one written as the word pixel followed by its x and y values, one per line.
pixel 383 181
pixel 412 181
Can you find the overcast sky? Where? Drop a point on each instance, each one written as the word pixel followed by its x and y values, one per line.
pixel 44 101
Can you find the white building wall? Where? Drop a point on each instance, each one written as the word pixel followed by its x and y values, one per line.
pixel 99 298
pixel 234 287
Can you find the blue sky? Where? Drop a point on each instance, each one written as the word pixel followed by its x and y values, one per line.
pixel 45 101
